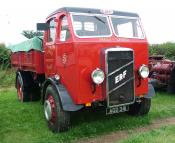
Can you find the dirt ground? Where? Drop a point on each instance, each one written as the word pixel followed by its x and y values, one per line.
pixel 119 135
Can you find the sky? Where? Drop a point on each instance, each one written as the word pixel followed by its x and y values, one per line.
pixel 17 15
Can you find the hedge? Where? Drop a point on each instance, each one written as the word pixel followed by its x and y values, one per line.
pixel 167 49
pixel 4 57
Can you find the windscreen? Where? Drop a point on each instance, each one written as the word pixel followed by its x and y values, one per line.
pixel 91 26
pixel 127 27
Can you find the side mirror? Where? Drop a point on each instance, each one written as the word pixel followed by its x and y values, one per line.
pixel 42 26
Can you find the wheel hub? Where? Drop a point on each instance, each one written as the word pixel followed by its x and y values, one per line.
pixel 47 110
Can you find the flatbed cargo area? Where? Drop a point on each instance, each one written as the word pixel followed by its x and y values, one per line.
pixel 28 61
pixel 28 55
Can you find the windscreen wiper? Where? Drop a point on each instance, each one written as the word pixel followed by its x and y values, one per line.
pixel 99 19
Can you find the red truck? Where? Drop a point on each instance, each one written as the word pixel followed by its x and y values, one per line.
pixel 87 58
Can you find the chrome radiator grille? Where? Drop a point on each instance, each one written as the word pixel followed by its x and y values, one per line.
pixel 119 65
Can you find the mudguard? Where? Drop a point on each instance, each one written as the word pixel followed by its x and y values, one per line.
pixel 65 99
pixel 151 91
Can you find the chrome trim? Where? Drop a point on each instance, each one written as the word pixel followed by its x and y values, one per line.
pixel 120 85
pixel 144 36
pixel 106 68
pixel 140 68
pixel 97 69
pixel 47 110
pixel 117 48
pixel 102 15
pixel 120 68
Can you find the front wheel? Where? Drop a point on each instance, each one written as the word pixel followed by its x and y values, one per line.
pixel 57 119
pixel 140 108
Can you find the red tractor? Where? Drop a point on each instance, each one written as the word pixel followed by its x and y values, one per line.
pixel 162 73
pixel 87 58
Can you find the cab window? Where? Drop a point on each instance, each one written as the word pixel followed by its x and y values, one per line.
pixel 65 33
pixel 88 26
pixel 127 27
pixel 52 30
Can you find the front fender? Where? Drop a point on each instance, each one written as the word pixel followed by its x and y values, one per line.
pixel 65 98
pixel 151 91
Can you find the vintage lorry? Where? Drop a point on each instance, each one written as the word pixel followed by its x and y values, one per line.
pixel 87 58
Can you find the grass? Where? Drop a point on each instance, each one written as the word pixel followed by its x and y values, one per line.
pixel 161 135
pixel 7 77
pixel 24 122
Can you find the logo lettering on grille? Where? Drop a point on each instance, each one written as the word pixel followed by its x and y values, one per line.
pixel 120 77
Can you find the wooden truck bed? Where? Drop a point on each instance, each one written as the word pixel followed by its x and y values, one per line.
pixel 28 61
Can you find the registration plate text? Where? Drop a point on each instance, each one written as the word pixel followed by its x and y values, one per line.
pixel 118 109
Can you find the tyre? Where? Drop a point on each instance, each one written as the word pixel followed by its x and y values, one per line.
pixel 21 92
pixel 140 108
pixel 171 83
pixel 57 119
pixel 35 92
pixel 27 89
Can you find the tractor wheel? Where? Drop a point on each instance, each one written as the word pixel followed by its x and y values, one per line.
pixel 21 92
pixel 140 108
pixel 171 84
pixel 57 119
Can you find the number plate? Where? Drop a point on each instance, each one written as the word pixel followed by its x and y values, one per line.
pixel 117 109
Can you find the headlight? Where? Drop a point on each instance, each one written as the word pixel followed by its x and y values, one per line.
pixel 97 76
pixel 144 71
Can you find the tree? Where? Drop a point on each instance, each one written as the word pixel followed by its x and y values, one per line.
pixel 4 57
pixel 30 33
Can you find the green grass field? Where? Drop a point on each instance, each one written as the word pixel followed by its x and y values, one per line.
pixel 24 122
pixel 7 78
pixel 161 135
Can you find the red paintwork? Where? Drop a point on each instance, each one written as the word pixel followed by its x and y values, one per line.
pixel 28 61
pixel 160 69
pixel 75 59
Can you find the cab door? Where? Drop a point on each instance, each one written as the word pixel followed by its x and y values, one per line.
pixel 66 65
pixel 50 54
pixel 64 43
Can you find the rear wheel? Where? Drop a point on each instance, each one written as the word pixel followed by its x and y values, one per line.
pixel 22 94
pixel 140 108
pixel 27 88
pixel 35 92
pixel 57 119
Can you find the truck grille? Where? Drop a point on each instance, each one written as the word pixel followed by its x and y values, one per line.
pixel 119 76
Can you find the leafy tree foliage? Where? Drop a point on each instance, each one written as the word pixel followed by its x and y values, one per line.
pixel 167 49
pixel 4 57
pixel 30 33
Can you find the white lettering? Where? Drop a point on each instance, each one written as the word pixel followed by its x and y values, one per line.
pixel 120 77
pixel 124 74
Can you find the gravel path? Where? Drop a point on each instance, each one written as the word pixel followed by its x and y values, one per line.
pixel 120 135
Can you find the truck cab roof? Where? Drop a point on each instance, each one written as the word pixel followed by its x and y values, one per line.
pixel 93 11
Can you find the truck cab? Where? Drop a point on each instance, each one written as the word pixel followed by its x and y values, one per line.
pixel 93 57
